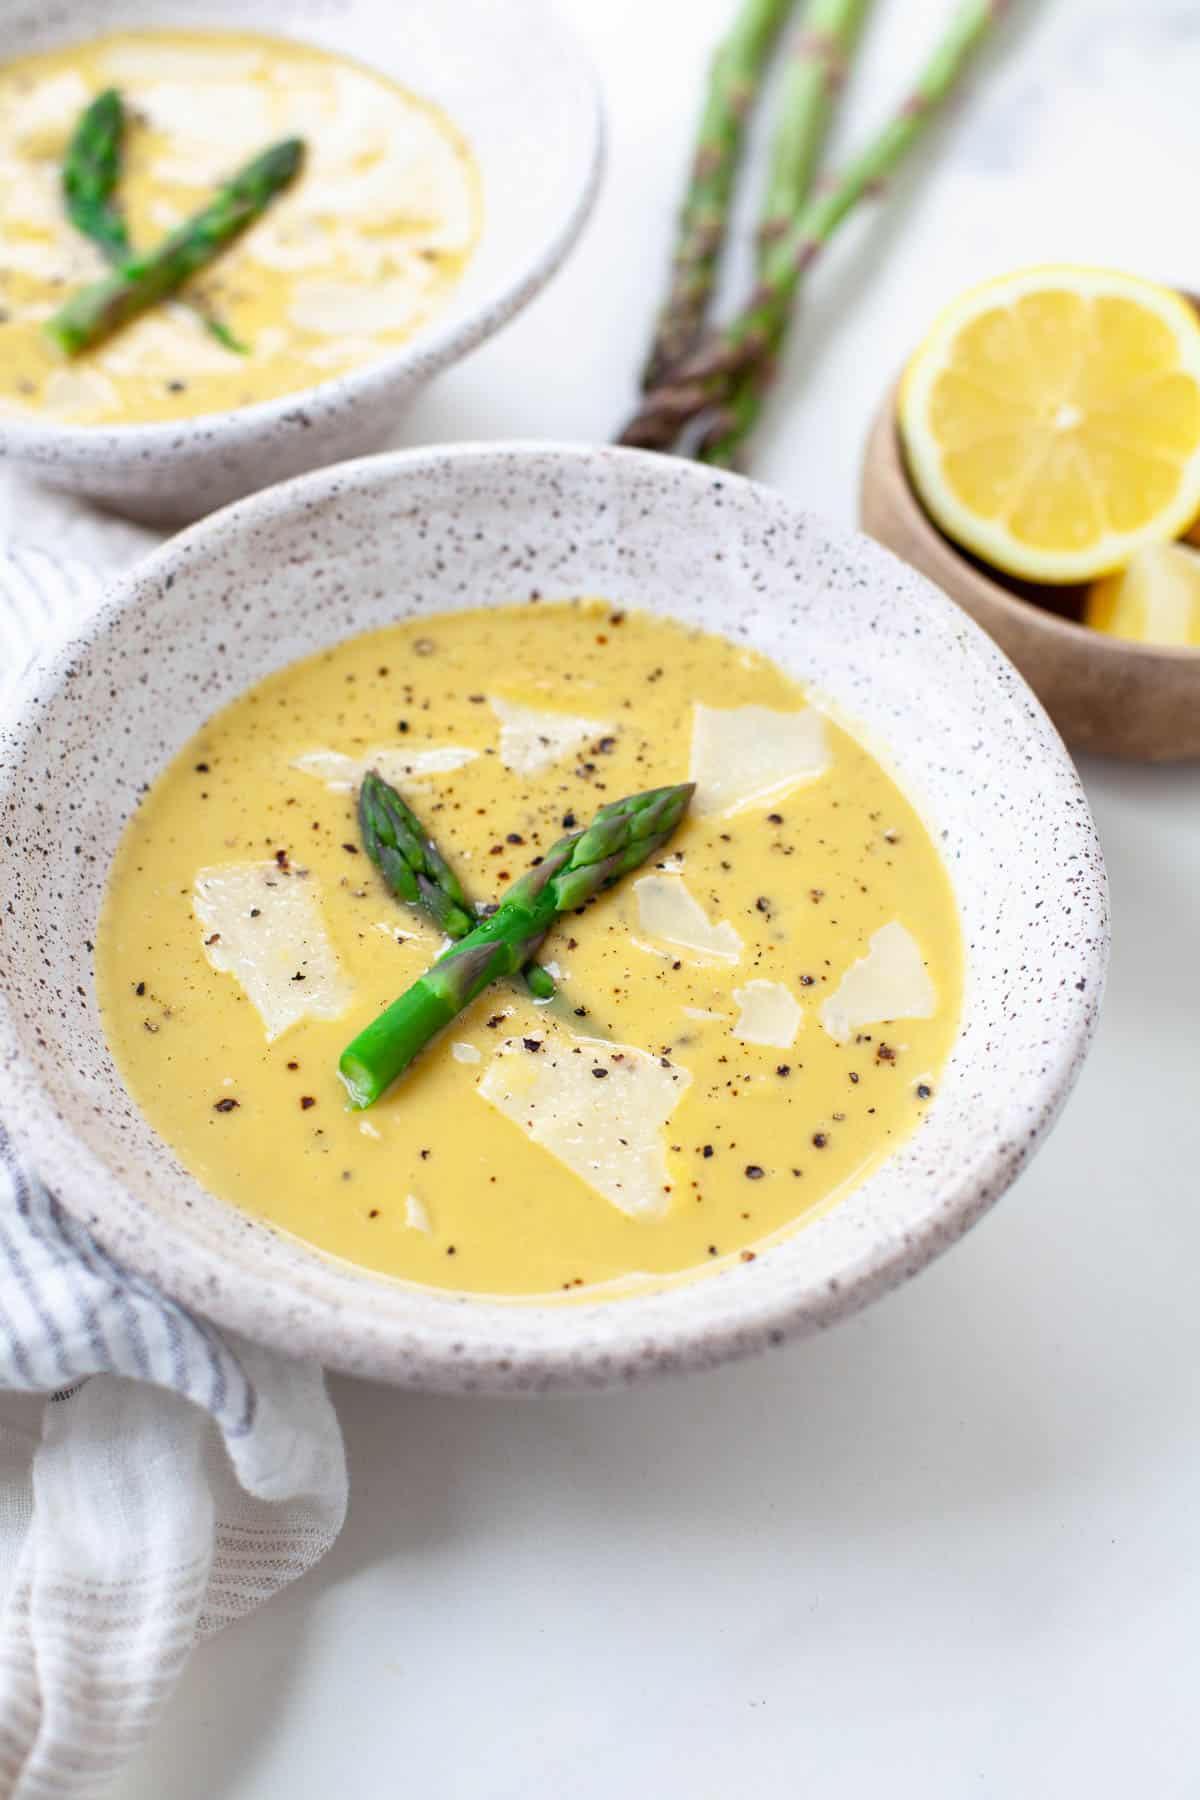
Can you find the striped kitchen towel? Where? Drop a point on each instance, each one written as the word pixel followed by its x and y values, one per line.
pixel 40 596
pixel 158 1478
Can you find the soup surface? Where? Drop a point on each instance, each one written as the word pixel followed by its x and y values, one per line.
pixel 742 1027
pixel 360 252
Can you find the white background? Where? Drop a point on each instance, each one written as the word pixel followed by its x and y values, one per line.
pixel 950 1550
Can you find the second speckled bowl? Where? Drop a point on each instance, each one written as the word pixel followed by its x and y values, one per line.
pixel 349 549
pixel 513 80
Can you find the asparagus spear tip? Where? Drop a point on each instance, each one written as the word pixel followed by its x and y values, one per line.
pixel 90 172
pixel 415 869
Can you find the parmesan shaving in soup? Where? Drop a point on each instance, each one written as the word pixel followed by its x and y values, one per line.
pixel 531 739
pixel 600 1108
pixel 770 1014
pixel 667 910
pixel 889 982
pixel 342 773
pixel 261 923
pixel 747 755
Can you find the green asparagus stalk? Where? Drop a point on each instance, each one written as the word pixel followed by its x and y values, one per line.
pixel 813 80
pixel 734 78
pixel 705 379
pixel 408 859
pixel 415 869
pixel 621 837
pixel 90 173
pixel 97 311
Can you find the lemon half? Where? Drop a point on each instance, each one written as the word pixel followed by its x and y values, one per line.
pixel 1051 420
pixel 1156 600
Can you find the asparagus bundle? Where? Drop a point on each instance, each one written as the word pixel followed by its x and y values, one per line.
pixel 621 837
pixel 708 377
pixel 90 173
pixel 415 869
pixel 96 311
pixel 734 77
pixel 814 77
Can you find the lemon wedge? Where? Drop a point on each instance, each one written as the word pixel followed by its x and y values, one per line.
pixel 1051 420
pixel 1156 600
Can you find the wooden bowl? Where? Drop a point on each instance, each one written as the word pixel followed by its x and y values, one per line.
pixel 1105 694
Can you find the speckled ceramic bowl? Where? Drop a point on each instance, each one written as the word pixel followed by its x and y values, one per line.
pixel 510 76
pixel 352 548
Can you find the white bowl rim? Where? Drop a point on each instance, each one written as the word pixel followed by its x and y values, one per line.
pixel 429 351
pixel 462 1357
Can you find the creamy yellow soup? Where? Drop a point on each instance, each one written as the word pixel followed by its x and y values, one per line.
pixel 358 254
pixel 742 1028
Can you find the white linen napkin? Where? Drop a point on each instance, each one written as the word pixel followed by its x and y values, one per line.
pixel 158 1478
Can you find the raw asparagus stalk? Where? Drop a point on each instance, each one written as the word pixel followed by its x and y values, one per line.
pixel 96 311
pixel 795 251
pixel 621 837
pixel 734 78
pixel 814 77
pixel 90 173
pixel 705 379
pixel 415 869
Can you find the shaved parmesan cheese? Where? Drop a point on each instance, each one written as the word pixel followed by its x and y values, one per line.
pixel 369 1130
pixel 45 259
pixel 210 126
pixel 39 121
pixel 163 341
pixel 263 926
pixel 747 755
pixel 700 1012
pixel 770 1014
pixel 668 909
pixel 77 390
pixel 416 1214
pixel 342 773
pixel 329 307
pixel 466 1053
pixel 889 982
pixel 609 1131
pixel 305 244
pixel 372 162
pixel 530 740
pixel 31 200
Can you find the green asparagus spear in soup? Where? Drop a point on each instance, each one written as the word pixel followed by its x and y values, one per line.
pixel 415 869
pixel 95 312
pixel 621 837
pixel 408 859
pixel 90 173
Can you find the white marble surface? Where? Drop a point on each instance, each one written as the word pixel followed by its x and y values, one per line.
pixel 949 1549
